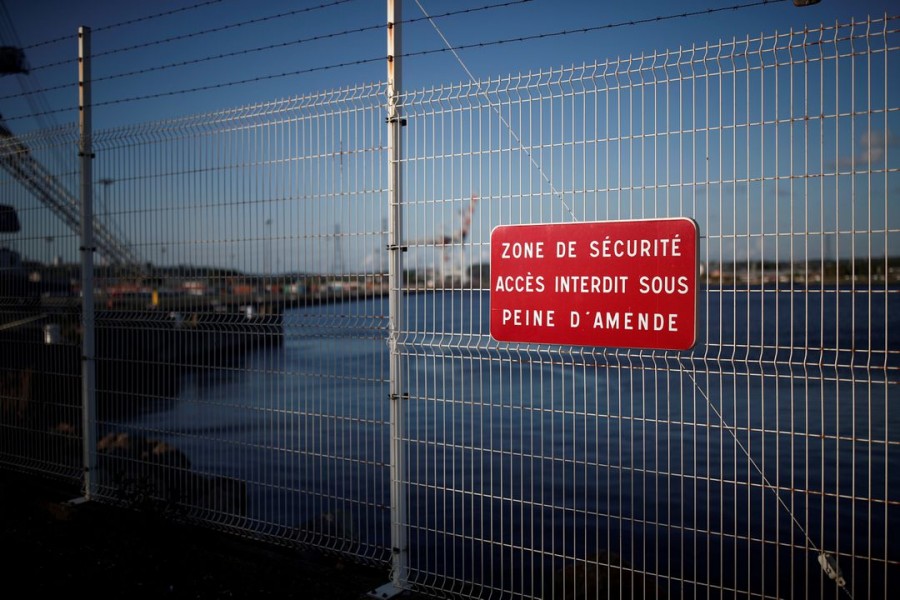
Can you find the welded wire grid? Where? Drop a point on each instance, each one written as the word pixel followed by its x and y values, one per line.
pixel 757 464
pixel 234 383
pixel 40 369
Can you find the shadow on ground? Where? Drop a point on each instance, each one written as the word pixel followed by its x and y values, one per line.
pixel 54 547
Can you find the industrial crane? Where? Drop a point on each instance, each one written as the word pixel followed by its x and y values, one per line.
pixel 17 160
pixel 446 241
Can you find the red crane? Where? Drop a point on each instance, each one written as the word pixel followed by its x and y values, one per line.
pixel 446 241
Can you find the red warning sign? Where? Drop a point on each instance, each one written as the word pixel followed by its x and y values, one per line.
pixel 622 284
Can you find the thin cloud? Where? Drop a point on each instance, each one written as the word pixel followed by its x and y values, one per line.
pixel 870 148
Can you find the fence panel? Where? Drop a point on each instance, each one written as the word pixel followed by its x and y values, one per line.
pixel 235 384
pixel 742 467
pixel 242 321
pixel 40 369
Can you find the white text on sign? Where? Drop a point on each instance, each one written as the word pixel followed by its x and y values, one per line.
pixel 616 283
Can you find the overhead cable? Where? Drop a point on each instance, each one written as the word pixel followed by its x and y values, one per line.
pixel 535 163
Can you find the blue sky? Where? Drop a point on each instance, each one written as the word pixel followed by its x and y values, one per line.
pixel 38 21
pixel 146 59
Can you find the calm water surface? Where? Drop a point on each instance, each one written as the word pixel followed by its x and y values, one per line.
pixel 517 455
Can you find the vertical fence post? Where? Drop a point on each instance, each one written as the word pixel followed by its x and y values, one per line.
pixel 85 151
pixel 395 275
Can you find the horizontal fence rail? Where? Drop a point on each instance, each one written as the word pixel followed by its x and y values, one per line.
pixel 242 320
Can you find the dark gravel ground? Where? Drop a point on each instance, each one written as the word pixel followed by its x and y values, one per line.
pixel 53 547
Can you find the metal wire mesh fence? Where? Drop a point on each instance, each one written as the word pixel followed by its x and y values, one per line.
pixel 243 374
pixel 40 384
pixel 223 381
pixel 759 463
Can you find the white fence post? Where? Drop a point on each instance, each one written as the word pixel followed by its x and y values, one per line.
pixel 87 261
pixel 395 274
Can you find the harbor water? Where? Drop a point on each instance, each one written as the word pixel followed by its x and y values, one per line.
pixel 731 466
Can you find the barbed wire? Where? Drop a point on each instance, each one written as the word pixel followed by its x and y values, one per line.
pixel 129 22
pixel 419 53
pixel 222 28
pixel 583 30
pixel 248 51
pixel 193 34
pixel 314 38
pixel 214 86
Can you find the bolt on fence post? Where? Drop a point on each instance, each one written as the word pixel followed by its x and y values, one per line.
pixel 85 151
